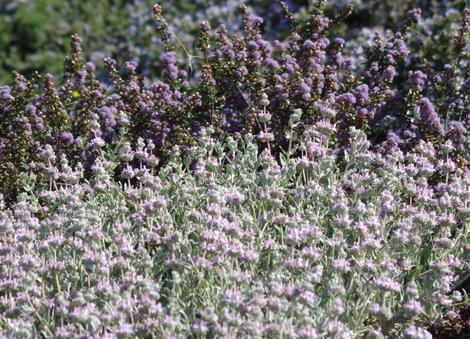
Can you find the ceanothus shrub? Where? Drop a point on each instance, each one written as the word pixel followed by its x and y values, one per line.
pixel 239 84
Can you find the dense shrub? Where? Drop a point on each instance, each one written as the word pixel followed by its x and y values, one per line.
pixel 240 84
pixel 227 241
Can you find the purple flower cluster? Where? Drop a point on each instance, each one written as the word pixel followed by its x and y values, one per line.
pixel 168 61
pixel 417 80
pixel 429 116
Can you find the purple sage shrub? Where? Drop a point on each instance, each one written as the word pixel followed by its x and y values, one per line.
pixel 227 240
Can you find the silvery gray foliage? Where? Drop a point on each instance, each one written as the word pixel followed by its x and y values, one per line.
pixel 228 241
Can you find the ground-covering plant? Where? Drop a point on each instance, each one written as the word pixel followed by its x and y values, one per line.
pixel 229 241
pixel 241 83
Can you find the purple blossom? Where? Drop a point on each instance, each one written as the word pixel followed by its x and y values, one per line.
pixel 168 61
pixel 417 79
pixel 390 73
pixel 362 93
pixel 429 116
pixel 414 15
pixel 346 99
pixel 458 134
pixel 67 137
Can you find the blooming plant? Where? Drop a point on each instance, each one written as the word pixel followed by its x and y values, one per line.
pixel 229 241
pixel 240 80
pixel 260 188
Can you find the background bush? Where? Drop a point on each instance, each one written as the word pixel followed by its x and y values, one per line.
pixel 34 34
